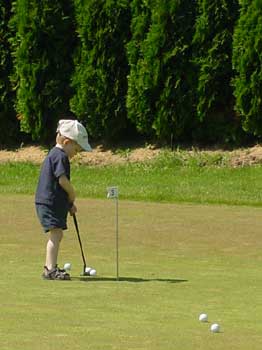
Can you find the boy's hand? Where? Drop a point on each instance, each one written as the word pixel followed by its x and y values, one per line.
pixel 73 210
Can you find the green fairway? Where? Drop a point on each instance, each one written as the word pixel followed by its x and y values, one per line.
pixel 176 261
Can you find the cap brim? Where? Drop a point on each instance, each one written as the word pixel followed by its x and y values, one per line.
pixel 86 147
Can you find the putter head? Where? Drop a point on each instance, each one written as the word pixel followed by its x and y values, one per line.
pixel 89 271
pixel 84 271
pixel 84 274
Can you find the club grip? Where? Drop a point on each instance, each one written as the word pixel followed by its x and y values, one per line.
pixel 75 222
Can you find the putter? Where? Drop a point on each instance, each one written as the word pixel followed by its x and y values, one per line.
pixel 81 247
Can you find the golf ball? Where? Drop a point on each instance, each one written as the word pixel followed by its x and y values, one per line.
pixel 92 272
pixel 88 269
pixel 203 317
pixel 67 266
pixel 215 328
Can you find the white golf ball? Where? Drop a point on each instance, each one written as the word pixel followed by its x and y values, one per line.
pixel 92 272
pixel 203 317
pixel 215 328
pixel 67 266
pixel 88 269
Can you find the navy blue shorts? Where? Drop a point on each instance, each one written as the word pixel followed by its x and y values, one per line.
pixel 52 217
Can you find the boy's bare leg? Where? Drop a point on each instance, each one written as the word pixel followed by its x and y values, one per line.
pixel 52 247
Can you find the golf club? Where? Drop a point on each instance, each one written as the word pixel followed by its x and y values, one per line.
pixel 81 247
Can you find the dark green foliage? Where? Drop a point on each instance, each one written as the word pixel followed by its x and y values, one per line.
pixel 43 63
pixel 163 67
pixel 160 94
pixel 139 101
pixel 101 66
pixel 8 123
pixel 247 62
pixel 212 56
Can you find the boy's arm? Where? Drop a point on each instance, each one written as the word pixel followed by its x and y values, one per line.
pixel 66 185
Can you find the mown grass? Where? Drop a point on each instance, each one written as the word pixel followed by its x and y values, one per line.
pixel 176 261
pixel 172 177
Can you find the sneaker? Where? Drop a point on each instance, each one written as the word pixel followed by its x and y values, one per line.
pixel 55 274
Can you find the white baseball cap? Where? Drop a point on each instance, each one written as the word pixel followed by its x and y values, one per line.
pixel 74 131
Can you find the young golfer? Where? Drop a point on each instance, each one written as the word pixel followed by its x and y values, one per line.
pixel 55 195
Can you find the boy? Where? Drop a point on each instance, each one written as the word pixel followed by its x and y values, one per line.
pixel 55 196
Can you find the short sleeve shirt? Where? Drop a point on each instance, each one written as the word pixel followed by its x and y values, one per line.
pixel 48 190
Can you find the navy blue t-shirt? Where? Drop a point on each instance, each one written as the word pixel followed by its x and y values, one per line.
pixel 49 191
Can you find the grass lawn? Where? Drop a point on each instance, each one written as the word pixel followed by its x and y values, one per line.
pixel 160 181
pixel 176 261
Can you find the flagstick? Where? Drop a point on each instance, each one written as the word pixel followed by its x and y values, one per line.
pixel 117 239
pixel 112 192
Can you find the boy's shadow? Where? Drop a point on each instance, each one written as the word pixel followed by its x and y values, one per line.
pixel 126 279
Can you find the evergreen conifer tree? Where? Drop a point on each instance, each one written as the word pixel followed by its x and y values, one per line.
pixel 43 50
pixel 99 80
pixel 213 57
pixel 247 63
pixel 8 123
pixel 160 98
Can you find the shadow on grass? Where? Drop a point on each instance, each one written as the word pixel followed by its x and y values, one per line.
pixel 127 279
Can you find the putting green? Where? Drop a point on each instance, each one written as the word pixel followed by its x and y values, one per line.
pixel 176 261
